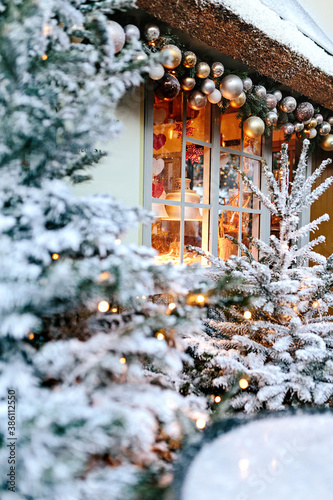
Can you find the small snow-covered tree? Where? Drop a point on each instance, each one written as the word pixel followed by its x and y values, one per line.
pixel 95 407
pixel 283 343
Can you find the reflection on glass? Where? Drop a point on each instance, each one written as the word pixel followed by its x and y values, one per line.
pixel 230 131
pixel 229 180
pixel 198 123
pixel 198 170
pixel 228 225
pixel 250 229
pixel 252 146
pixel 252 169
pixel 167 144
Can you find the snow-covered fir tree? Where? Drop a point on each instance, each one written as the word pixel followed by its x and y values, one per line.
pixel 282 344
pixel 81 345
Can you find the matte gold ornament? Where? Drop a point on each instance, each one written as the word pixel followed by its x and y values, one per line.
pixel 260 91
pixel 288 128
pixel 271 101
pixel 327 143
pixel 215 97
pixel 132 32
pixel 117 35
pixel 156 72
pixel 299 127
pixel 278 95
pixel 330 120
pixel 319 118
pixel 271 118
pixel 247 83
pixel 188 83
pixel 152 32
pixel 197 100
pixel 207 86
pixel 189 59
pixel 288 105
pixel 304 111
pixel 202 70
pixel 239 101
pixel 324 128
pixel 231 86
pixel 254 127
pixel 217 69
pixel 174 56
pixel 140 57
pixel 313 123
pixel 168 88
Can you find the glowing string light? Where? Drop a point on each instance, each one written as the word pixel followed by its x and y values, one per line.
pixel 103 306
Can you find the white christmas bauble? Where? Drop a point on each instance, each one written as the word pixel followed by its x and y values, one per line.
pixel 207 86
pixel 132 32
pixel 156 72
pixel 215 97
pixel 117 35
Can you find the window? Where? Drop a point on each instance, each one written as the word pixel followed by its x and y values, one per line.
pixel 190 184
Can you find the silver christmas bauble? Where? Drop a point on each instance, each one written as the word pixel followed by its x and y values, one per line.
pixel 156 72
pixel 132 32
pixel 260 91
pixel 140 57
pixel 217 69
pixel 188 83
pixel 271 118
pixel 189 59
pixel 253 127
pixel 239 101
pixel 299 127
pixel 306 122
pixel 330 120
pixel 312 133
pixel 173 55
pixel 271 101
pixel 117 35
pixel 324 128
pixel 247 83
pixel 197 100
pixel 152 32
pixel 319 118
pixel 278 95
pixel 304 111
pixel 207 86
pixel 231 87
pixel 202 70
pixel 288 104
pixel 288 128
pixel 215 97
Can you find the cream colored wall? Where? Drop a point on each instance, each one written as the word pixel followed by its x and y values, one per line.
pixel 121 172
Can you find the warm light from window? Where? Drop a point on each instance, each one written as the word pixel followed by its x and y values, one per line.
pixel 103 306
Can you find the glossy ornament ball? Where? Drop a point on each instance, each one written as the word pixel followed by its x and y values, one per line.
pixel 278 95
pixel 202 70
pixel 140 57
pixel 313 123
pixel 299 127
pixel 207 86
pixel 174 56
pixel 231 86
pixel 188 83
pixel 311 133
pixel 271 118
pixel 168 88
pixel 324 129
pixel 327 143
pixel 152 32
pixel 217 69
pixel 132 32
pixel 189 59
pixel 215 97
pixel 117 35
pixel 247 83
pixel 197 100
pixel 156 72
pixel 271 101
pixel 254 127
pixel 288 128
pixel 330 120
pixel 319 118
pixel 239 101
pixel 260 91
pixel 304 111
pixel 288 104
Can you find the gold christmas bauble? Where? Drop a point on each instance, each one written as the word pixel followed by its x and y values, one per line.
pixel 327 142
pixel 254 127
pixel 174 56
pixel 202 70
pixel 239 101
pixel 188 83
pixel 313 123
pixel 189 59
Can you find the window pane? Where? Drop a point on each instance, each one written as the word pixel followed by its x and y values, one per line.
pixel 228 225
pixel 230 131
pixel 229 180
pixel 198 171
pixel 165 238
pixel 250 229
pixel 252 169
pixel 192 236
pixel 198 123
pixel 167 144
pixel 252 146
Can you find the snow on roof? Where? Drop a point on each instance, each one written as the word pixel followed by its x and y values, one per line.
pixel 284 31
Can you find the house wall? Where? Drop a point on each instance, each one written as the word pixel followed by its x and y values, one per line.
pixel 121 172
